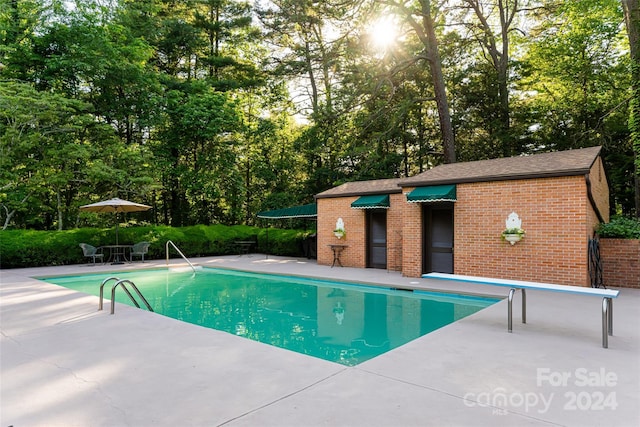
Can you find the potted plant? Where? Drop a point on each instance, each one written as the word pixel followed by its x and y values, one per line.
pixel 339 233
pixel 513 235
pixel 339 230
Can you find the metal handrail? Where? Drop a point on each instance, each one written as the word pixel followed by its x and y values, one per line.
pixel 180 252
pixel 124 287
pixel 102 289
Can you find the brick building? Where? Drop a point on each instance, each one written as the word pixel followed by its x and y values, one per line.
pixel 450 218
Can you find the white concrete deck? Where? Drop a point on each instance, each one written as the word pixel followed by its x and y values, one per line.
pixel 66 364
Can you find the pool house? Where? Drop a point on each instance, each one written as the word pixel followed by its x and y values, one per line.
pixel 452 219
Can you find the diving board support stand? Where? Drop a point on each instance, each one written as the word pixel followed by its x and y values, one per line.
pixel 512 292
pixel 607 321
pixel 515 285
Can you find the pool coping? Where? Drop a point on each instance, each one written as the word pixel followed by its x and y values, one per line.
pixel 63 363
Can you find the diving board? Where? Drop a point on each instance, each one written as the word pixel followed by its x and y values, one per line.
pixel 606 294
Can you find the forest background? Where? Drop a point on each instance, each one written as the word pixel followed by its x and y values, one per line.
pixel 213 110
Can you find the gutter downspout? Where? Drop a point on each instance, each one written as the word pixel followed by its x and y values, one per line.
pixel 592 200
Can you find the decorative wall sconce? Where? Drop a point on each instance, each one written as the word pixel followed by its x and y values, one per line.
pixel 339 231
pixel 514 232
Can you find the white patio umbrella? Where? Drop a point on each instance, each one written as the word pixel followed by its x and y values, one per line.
pixel 116 206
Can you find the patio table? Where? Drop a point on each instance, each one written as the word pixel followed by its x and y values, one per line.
pixel 244 246
pixel 118 253
pixel 337 250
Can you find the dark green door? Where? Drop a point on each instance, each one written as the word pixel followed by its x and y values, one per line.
pixel 377 238
pixel 438 238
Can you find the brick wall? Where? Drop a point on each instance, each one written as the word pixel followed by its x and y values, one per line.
pixel 411 237
pixel 555 212
pixel 329 210
pixel 620 262
pixel 395 224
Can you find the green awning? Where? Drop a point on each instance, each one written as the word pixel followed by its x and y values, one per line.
pixel 433 193
pixel 303 211
pixel 376 201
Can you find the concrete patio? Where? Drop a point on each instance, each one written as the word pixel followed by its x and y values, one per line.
pixel 63 363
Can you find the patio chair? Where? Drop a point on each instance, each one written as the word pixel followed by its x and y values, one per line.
pixel 140 249
pixel 92 252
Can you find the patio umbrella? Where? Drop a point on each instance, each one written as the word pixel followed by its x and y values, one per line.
pixel 116 206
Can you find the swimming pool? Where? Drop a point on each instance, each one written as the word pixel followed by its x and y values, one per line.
pixel 336 321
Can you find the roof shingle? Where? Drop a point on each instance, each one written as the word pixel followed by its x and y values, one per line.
pixel 360 188
pixel 544 165
pixel 559 163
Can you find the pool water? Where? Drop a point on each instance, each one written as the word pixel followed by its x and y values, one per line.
pixel 335 321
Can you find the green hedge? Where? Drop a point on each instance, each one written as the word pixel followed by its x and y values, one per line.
pixel 620 228
pixel 29 248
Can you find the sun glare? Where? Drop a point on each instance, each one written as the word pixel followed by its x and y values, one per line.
pixel 383 32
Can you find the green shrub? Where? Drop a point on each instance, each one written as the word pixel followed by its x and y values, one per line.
pixel 281 242
pixel 620 228
pixel 29 248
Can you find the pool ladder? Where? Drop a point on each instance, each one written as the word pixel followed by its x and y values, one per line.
pixel 180 252
pixel 122 283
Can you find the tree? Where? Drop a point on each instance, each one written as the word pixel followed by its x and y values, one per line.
pixel 18 21
pixel 421 19
pixel 310 39
pixel 196 150
pixel 577 79
pixel 125 90
pixel 227 26
pixel 492 28
pixel 393 129
pixel 47 159
pixel 632 20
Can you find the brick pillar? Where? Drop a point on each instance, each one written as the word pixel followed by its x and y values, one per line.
pixel 411 238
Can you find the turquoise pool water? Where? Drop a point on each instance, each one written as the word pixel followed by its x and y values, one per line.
pixel 340 322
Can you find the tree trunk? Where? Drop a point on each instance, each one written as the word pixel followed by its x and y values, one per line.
pixel 632 21
pixel 433 57
pixel 499 55
pixel 7 219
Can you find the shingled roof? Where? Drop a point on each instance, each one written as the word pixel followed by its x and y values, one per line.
pixel 544 165
pixel 361 188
